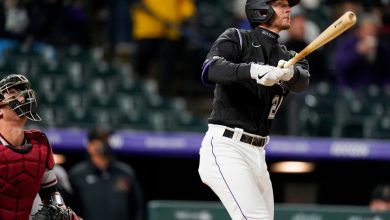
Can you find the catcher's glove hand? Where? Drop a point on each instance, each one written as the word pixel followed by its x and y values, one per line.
pixel 55 212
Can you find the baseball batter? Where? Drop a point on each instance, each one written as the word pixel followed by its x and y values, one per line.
pixel 246 68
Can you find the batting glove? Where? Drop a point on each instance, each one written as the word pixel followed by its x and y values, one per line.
pixel 287 72
pixel 264 74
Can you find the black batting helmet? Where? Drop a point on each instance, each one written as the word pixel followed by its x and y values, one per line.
pixel 29 106
pixel 260 11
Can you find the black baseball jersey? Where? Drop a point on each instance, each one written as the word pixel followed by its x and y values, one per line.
pixel 238 100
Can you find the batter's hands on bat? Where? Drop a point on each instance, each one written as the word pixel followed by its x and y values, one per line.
pixel 265 75
pixel 287 72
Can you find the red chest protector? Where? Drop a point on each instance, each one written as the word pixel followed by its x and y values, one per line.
pixel 21 171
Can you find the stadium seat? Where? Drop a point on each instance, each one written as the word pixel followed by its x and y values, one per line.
pixel 52 116
pixel 381 128
pixel 134 120
pixel 317 111
pixel 76 75
pixel 76 53
pixel 78 118
pixel 356 109
pixel 104 115
pixel 50 90
pixel 126 103
pixel 185 121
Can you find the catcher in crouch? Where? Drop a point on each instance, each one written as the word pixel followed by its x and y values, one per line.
pixel 26 158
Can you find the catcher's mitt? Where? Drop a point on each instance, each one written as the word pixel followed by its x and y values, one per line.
pixel 55 212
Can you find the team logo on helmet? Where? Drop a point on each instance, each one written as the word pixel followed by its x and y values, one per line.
pixel 24 103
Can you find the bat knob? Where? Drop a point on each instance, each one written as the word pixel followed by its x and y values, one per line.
pixel 287 64
pixel 351 16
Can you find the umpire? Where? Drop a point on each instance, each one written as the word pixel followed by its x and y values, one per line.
pixel 246 68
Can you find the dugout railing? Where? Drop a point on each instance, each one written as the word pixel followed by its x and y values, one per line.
pixel 197 210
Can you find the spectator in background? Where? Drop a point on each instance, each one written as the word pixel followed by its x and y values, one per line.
pixel 105 187
pixel 49 21
pixel 241 22
pixel 382 9
pixel 110 27
pixel 317 11
pixel 362 59
pixel 119 28
pixel 307 30
pixel 77 20
pixel 338 9
pixel 341 6
pixel 157 34
pixel 14 20
pixel 59 22
pixel 297 38
pixel 380 198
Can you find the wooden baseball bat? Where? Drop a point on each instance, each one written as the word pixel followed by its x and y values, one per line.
pixel 347 20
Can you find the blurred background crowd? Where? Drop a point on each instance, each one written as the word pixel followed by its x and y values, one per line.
pixel 136 64
pixel 149 56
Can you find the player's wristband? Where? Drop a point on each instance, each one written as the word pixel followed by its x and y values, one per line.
pixel 56 199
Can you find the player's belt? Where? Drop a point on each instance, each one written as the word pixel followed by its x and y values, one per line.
pixel 255 141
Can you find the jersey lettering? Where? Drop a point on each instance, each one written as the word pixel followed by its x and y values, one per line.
pixel 276 102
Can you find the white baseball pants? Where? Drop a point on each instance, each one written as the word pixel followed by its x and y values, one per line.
pixel 237 173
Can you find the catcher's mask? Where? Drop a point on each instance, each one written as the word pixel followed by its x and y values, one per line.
pixel 261 11
pixel 23 103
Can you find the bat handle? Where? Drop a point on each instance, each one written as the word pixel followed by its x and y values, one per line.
pixel 294 59
pixel 289 63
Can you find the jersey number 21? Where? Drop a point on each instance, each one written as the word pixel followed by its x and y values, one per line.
pixel 276 102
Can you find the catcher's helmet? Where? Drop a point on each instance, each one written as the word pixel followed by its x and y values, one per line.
pixel 28 106
pixel 260 11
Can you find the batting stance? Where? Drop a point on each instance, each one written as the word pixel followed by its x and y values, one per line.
pixel 26 158
pixel 246 67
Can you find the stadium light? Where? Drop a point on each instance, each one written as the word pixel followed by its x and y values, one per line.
pixel 292 167
pixel 59 158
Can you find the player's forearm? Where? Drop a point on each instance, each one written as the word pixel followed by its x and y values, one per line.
pixel 226 72
pixel 300 80
pixel 50 195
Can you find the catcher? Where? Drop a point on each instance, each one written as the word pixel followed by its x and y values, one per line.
pixel 26 158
